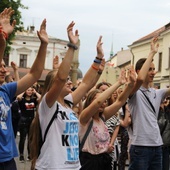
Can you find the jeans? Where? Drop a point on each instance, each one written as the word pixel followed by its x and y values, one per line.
pixel 24 132
pixel 9 165
pixel 145 158
pixel 165 157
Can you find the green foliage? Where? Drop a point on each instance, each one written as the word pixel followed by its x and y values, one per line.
pixel 16 6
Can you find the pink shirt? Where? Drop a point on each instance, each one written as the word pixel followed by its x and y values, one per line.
pixel 98 139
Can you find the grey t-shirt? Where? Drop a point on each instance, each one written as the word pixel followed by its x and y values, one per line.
pixel 145 130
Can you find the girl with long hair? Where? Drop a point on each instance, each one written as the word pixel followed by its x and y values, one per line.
pixel 60 149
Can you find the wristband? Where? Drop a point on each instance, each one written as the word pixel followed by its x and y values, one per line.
pixel 71 45
pixel 98 58
pixel 95 68
pixel 97 61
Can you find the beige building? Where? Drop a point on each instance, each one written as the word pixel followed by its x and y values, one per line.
pixel 121 60
pixel 141 48
pixel 25 48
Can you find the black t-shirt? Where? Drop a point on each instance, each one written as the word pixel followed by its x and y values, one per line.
pixel 27 107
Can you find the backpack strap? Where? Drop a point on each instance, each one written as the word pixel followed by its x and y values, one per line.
pixel 50 123
pixel 85 136
pixel 87 133
pixel 149 101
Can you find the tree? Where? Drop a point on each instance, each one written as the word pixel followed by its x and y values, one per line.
pixel 15 5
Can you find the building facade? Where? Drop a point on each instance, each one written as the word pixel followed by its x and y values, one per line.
pixel 25 48
pixel 141 48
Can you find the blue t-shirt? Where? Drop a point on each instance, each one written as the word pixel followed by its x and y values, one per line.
pixel 8 149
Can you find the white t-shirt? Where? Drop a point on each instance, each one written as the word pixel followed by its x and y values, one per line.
pixel 61 148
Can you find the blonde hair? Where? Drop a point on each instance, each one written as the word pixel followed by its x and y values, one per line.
pixel 35 137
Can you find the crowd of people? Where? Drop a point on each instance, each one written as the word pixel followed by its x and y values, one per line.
pixel 77 127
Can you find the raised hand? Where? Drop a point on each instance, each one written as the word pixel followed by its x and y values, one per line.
pixel 100 53
pixel 154 45
pixel 13 65
pixel 5 16
pixel 122 77
pixel 131 75
pixel 55 62
pixel 42 34
pixel 73 38
pixel 2 38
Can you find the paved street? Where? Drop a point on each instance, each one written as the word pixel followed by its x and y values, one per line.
pixel 27 164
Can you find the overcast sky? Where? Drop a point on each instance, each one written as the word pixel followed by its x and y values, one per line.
pixel 121 22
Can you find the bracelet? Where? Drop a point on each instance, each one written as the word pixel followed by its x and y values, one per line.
pixel 95 68
pixel 99 72
pixel 98 58
pixel 71 45
pixel 97 61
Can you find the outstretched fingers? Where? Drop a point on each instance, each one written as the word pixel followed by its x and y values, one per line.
pixel 42 34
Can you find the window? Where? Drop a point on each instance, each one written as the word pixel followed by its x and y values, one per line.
pixel 23 60
pixel 160 62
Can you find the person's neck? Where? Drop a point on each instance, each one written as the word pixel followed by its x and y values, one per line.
pixel 27 97
pixel 96 116
pixel 146 85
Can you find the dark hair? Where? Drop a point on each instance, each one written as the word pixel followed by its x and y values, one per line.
pixel 139 64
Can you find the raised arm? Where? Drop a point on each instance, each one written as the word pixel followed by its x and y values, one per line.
pixel 64 68
pixel 15 69
pixel 55 63
pixel 5 28
pixel 121 100
pixel 38 95
pixel 35 72
pixel 92 75
pixel 2 44
pixel 144 70
pixel 90 111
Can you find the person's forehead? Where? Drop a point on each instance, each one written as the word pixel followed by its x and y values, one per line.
pixel 152 65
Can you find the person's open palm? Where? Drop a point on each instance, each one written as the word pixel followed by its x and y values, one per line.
pixel 5 20
pixel 42 34
pixel 73 38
